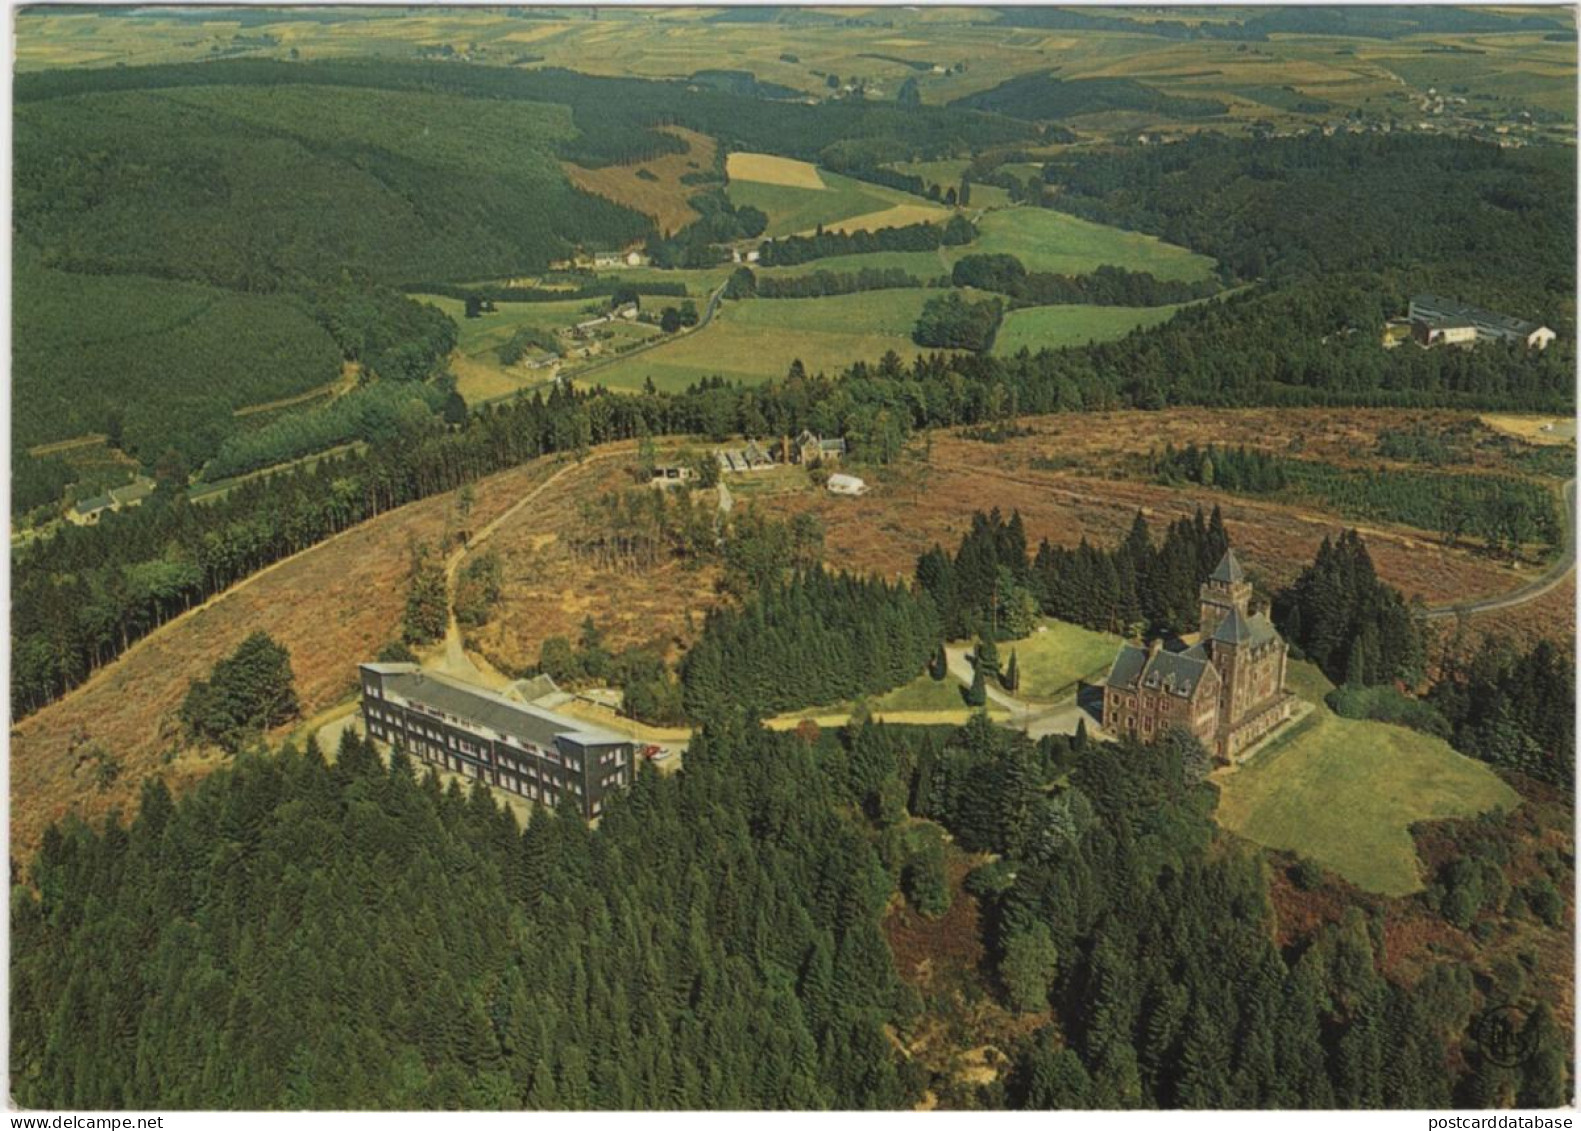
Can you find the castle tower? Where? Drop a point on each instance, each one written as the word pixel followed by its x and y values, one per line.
pixel 1226 590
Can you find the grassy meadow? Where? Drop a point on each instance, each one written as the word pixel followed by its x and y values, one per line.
pixel 1056 655
pixel 755 341
pixel 1046 240
pixel 1345 792
pixel 1037 327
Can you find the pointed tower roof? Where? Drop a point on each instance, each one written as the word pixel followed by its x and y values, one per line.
pixel 1233 629
pixel 1228 570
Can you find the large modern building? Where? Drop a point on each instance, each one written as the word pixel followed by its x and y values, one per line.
pixel 1435 320
pixel 1228 689
pixel 472 731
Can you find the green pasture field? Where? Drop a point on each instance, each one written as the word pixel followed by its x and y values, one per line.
pixel 755 341
pixel 1056 655
pixel 484 334
pixel 1037 327
pixel 1345 792
pixel 1045 240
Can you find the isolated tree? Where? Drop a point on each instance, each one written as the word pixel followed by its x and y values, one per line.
pixel 1011 679
pixel 427 602
pixel 977 694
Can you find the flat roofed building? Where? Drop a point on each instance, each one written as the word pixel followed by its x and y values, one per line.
pixel 1447 314
pixel 469 730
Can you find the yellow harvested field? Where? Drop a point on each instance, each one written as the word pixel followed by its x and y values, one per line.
pixel 769 170
pixel 897 216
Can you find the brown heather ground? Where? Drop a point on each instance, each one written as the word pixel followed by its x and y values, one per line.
pixel 547 592
pixel 339 602
pixel 332 606
pixel 914 505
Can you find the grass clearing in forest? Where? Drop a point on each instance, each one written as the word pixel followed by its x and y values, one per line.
pixel 1037 327
pixel 1045 240
pixel 1056 655
pixel 1345 792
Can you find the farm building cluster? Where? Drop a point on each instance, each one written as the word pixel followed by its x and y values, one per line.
pixel 1227 688
pixel 807 449
pixel 1433 320
pixel 87 512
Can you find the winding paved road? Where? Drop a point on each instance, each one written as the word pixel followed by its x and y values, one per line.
pixel 1551 577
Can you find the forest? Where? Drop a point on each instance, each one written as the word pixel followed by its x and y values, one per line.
pixel 951 322
pixel 1136 589
pixel 1341 617
pixel 716 942
pixel 791 250
pixel 744 283
pixel 1504 514
pixel 812 639
pixel 1405 214
pixel 1037 98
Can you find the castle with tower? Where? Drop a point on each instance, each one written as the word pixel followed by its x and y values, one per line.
pixel 1227 688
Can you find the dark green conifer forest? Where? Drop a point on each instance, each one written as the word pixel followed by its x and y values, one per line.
pixel 298 933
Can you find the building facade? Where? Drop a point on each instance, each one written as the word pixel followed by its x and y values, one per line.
pixel 1436 319
pixel 474 732
pixel 1227 689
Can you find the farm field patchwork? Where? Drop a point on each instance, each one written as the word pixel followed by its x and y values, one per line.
pixel 756 341
pixel 798 208
pixel 1345 792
